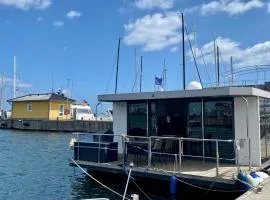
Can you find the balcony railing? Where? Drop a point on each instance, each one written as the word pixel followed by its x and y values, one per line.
pixel 153 152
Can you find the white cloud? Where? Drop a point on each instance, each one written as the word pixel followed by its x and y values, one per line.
pixel 21 84
pixel 154 32
pixel 232 7
pixel 258 54
pixel 26 4
pixel 191 10
pixel 58 23
pixel 39 19
pixel 174 49
pixel 73 14
pixel 150 4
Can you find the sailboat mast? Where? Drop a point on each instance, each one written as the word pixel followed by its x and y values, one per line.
pixel 231 71
pixel 117 66
pixel 141 76
pixel 183 49
pixel 14 77
pixel 2 92
pixel 218 65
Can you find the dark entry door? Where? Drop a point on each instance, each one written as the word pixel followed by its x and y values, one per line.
pixel 194 129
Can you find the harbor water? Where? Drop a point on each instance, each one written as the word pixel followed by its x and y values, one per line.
pixel 35 165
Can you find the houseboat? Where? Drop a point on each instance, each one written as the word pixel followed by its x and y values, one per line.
pixel 202 137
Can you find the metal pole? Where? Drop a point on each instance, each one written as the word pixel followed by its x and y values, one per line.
pixel 117 66
pixel 218 65
pixel 180 152
pixel 149 152
pixel 203 128
pixel 124 149
pixel 215 57
pixel 183 49
pixel 264 129
pixel 147 118
pixel 135 67
pixel 231 71
pixel 217 157
pixel 130 169
pixel 14 78
pixel 141 76
pixel 98 148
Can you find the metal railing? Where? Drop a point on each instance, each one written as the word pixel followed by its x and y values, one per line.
pixel 169 148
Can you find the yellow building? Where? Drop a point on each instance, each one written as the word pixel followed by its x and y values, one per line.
pixel 48 106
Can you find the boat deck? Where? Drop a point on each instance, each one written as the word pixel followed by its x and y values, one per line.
pixel 193 171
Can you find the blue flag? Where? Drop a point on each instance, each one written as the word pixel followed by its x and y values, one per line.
pixel 158 81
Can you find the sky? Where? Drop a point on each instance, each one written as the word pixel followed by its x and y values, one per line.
pixel 72 44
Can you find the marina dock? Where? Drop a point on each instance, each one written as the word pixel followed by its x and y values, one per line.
pixel 57 125
pixel 264 194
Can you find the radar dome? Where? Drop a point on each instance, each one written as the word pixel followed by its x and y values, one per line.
pixel 194 85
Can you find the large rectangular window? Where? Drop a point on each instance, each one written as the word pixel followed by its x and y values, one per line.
pixel 137 119
pixel 218 124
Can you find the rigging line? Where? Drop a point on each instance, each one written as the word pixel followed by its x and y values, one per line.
pixel 213 190
pixel 250 69
pixel 140 188
pixel 205 67
pixel 135 82
pixel 110 78
pixel 97 180
pixel 193 57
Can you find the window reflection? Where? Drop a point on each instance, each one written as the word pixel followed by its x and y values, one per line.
pixel 137 119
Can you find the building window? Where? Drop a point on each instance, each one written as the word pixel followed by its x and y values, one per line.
pixel 29 107
pixel 137 119
pixel 61 110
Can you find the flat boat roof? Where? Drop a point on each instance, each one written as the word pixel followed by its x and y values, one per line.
pixel 177 94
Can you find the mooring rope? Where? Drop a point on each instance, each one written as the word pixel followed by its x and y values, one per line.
pixel 97 180
pixel 209 189
pixel 138 186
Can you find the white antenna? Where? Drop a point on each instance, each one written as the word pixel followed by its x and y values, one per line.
pixel 14 78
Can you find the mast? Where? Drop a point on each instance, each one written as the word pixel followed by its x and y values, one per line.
pixel 117 66
pixel 2 92
pixel 135 67
pixel 215 59
pixel 14 77
pixel 164 75
pixel 141 76
pixel 218 66
pixel 183 49
pixel 231 71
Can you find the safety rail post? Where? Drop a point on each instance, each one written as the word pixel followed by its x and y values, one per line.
pixel 124 149
pixel 149 152
pixel 180 152
pixel 236 155
pixel 98 148
pixel 249 154
pixel 78 147
pixel 217 158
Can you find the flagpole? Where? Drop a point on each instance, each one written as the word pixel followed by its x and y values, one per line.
pixel 155 83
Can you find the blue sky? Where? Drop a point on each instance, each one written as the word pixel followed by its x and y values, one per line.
pixel 77 40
